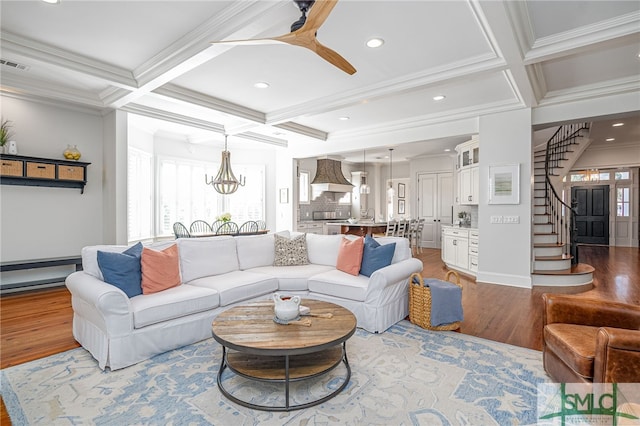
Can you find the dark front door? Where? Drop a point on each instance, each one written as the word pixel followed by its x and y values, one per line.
pixel 592 218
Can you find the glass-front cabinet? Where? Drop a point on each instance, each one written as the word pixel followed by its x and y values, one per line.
pixel 467 176
pixel 468 153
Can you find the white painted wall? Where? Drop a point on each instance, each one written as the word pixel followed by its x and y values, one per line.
pixel 609 157
pixel 505 249
pixel 40 222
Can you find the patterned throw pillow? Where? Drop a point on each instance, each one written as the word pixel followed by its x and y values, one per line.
pixel 290 252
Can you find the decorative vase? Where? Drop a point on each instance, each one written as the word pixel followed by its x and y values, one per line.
pixel 72 153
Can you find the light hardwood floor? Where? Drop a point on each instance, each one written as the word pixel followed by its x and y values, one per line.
pixel 37 324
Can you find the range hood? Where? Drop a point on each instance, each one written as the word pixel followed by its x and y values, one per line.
pixel 329 177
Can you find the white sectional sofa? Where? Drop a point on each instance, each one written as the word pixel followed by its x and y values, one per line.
pixel 217 273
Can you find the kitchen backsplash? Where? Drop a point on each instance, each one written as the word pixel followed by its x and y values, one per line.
pixel 324 203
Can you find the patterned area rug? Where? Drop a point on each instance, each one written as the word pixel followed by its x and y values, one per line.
pixel 404 376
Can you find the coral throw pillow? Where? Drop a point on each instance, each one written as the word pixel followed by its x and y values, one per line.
pixel 350 255
pixel 160 269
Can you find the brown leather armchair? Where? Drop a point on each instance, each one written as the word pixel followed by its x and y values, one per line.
pixel 588 340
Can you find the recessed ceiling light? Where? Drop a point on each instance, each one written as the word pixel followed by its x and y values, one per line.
pixel 51 1
pixel 343 118
pixel 447 150
pixel 375 42
pixel 610 139
pixel 439 97
pixel 261 85
pixel 617 124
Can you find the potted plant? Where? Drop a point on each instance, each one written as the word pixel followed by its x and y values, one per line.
pixel 5 132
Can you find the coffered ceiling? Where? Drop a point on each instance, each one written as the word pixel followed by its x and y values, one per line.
pixel 155 59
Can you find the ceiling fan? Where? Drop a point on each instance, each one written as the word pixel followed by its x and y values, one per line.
pixel 303 33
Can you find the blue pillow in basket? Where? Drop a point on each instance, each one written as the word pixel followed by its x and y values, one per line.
pixel 446 301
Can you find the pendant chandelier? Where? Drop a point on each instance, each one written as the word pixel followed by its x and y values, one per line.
pixel 364 187
pixel 390 191
pixel 225 181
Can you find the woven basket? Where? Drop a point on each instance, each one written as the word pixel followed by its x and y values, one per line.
pixel 420 303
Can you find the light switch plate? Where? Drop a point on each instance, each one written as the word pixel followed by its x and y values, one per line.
pixel 496 219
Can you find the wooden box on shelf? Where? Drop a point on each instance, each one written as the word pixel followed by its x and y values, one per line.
pixel 35 171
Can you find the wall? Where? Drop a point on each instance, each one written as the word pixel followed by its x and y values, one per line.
pixel 40 222
pixel 505 249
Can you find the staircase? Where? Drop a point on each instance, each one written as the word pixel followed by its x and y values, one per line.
pixel 556 260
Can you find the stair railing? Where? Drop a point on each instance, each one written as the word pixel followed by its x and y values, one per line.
pixel 561 214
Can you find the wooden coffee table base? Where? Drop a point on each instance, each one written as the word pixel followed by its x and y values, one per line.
pixel 256 348
pixel 284 369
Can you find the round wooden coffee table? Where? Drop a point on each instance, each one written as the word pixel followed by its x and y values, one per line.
pixel 255 347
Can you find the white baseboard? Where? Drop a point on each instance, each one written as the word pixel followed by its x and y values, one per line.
pixel 504 279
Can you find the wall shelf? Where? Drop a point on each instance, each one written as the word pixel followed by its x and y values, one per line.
pixel 36 171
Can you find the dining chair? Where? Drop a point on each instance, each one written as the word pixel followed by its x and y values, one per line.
pixel 200 226
pixel 216 224
pixel 227 228
pixel 180 231
pixel 391 228
pixel 248 227
pixel 415 234
pixel 262 225
pixel 401 228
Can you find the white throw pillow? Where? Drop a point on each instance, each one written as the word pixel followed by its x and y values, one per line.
pixel 202 257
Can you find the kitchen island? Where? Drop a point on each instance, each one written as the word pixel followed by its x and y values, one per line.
pixel 360 228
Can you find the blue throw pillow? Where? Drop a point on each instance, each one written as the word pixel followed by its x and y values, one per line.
pixel 375 256
pixel 122 269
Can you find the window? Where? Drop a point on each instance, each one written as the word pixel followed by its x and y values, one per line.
pixel 303 187
pixel 622 176
pixel 139 195
pixel 622 202
pixel 184 196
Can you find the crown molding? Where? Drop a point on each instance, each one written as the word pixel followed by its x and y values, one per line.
pixel 180 93
pixel 172 117
pixel 44 89
pixel 43 52
pixel 264 139
pixel 567 42
pixel 601 89
pixel 239 16
pixel 17 94
pixel 303 130
pixel 429 120
pixel 436 76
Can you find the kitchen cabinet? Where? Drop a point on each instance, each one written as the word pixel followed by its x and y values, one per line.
pixel 310 227
pixel 460 249
pixel 468 153
pixel 468 171
pixel 468 186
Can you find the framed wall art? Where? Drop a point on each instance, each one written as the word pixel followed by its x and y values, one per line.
pixel 504 184
pixel 284 195
pixel 401 190
pixel 400 206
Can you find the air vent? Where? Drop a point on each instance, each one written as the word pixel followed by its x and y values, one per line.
pixel 14 65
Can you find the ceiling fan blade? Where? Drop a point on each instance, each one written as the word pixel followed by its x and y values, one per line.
pixel 318 14
pixel 251 42
pixel 334 58
pixel 307 40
